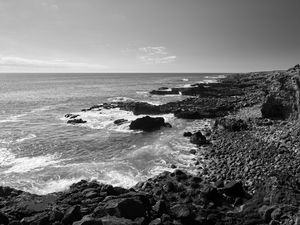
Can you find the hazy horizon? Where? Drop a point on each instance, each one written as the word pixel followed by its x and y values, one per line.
pixel 143 36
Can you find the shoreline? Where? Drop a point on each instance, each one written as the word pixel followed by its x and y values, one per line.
pixel 248 150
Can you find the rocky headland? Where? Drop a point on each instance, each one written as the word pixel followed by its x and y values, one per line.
pixel 248 169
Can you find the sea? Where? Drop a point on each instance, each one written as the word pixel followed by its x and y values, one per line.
pixel 41 153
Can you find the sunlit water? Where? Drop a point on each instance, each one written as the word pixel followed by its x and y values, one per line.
pixel 40 153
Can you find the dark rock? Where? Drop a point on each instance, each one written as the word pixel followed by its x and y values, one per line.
pixel 129 208
pixel 3 219
pixel 234 189
pixel 193 151
pixel 187 134
pixel 181 211
pixel 157 221
pixel 71 116
pixel 39 219
pixel 120 121
pixel 76 121
pixel 188 115
pixel 72 214
pixel 147 123
pixel 198 138
pixel 145 109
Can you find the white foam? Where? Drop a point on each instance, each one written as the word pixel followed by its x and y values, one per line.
pixel 105 118
pixel 6 157
pixel 53 186
pixel 26 164
pixel 185 79
pixel 215 77
pixel 28 137
pixel 13 119
pixel 120 99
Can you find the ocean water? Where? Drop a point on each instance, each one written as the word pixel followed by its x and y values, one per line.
pixel 41 153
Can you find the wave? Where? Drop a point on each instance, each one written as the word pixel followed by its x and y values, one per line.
pixel 26 164
pixel 185 79
pixel 121 99
pixel 215 77
pixel 13 119
pixel 28 137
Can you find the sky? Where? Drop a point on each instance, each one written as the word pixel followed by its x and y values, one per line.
pixel 148 35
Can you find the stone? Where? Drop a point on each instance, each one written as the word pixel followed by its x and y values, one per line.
pixel 147 123
pixel 3 219
pixel 120 121
pixel 87 220
pixel 129 208
pixel 76 121
pixel 187 134
pixel 72 214
pixel 198 138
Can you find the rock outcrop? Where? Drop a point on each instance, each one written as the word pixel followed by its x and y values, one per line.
pixel 148 123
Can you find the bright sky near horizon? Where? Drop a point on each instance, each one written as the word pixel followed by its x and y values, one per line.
pixel 148 35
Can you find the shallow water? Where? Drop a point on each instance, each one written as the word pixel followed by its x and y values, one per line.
pixel 40 153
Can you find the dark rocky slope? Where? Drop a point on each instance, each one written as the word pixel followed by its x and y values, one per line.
pixel 248 169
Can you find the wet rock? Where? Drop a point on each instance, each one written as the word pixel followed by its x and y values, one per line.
pixel 232 124
pixel 145 109
pixel 187 134
pixel 39 219
pixel 112 220
pixel 160 207
pixel 157 221
pixel 120 121
pixel 147 123
pixel 76 121
pixel 188 115
pixel 71 116
pixel 198 138
pixel 181 211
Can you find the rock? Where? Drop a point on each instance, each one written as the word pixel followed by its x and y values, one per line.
pixel 211 194
pixel 198 138
pixel 145 108
pixel 112 220
pixel 193 151
pixel 76 121
pixel 234 189
pixel 3 219
pixel 39 219
pixel 231 124
pixel 187 134
pixel 71 116
pixel 147 123
pixel 188 115
pixel 157 221
pixel 88 221
pixel 160 207
pixel 120 121
pixel 72 214
pixel 129 208
pixel 181 211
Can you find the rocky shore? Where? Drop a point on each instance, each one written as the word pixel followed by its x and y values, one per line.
pixel 248 164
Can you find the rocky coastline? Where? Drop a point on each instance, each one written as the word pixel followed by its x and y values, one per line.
pixel 248 169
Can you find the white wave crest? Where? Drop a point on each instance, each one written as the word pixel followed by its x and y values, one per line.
pixel 28 137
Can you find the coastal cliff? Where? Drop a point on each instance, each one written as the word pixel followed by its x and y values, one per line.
pixel 249 169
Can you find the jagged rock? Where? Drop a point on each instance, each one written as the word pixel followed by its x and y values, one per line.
pixel 188 115
pixel 147 123
pixel 71 116
pixel 38 219
pixel 112 220
pixel 72 214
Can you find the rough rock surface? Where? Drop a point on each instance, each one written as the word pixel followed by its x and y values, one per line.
pixel 148 123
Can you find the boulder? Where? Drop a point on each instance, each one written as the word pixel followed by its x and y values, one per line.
pixel 76 121
pixel 198 138
pixel 234 189
pixel 72 214
pixel 129 208
pixel 275 108
pixel 148 123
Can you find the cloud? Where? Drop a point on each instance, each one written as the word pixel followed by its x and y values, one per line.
pixel 155 55
pixel 12 61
